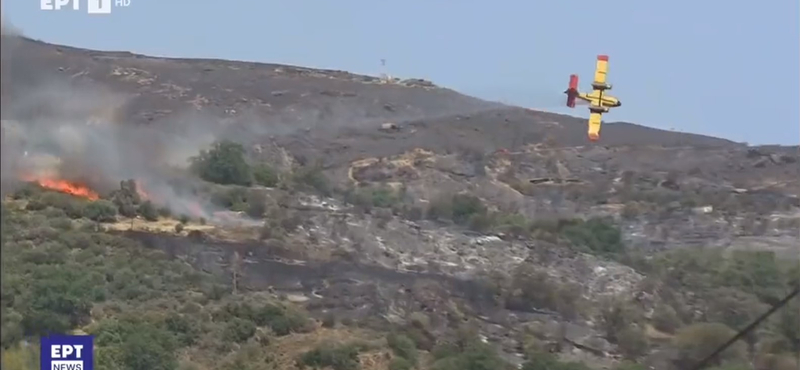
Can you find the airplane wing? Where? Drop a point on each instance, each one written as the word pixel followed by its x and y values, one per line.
pixel 595 119
pixel 601 69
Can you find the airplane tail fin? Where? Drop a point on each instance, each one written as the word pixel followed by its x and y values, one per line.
pixel 572 91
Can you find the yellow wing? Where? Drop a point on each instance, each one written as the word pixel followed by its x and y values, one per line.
pixel 595 119
pixel 601 70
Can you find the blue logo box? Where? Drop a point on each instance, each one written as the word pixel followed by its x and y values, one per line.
pixel 67 352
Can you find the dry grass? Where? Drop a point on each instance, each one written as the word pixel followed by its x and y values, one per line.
pixel 655 334
pixel 163 225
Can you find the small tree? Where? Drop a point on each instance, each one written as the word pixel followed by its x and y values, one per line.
pixel 265 175
pixel 148 211
pixel 466 206
pixel 223 164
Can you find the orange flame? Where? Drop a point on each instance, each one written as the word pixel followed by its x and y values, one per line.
pixel 140 190
pixel 196 210
pixel 67 187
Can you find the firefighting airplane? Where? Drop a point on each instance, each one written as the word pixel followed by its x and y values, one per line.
pixel 599 102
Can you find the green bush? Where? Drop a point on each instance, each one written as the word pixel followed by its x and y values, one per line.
pixel 126 198
pixel 239 330
pixel 755 272
pixel 400 363
pixel 335 356
pixel 233 198
pixel 101 211
pixel 281 320
pixel 465 207
pixel 596 236
pixel 223 164
pixel 312 178
pixel 72 206
pixel 148 348
pixel 185 330
pixel 474 356
pixel 148 211
pixel 377 196
pixel 530 289
pixel 265 175
pixel 402 346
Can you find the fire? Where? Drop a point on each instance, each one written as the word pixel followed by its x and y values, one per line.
pixel 66 187
pixel 140 190
pixel 196 210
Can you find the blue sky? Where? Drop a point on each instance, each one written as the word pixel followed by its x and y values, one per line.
pixel 724 68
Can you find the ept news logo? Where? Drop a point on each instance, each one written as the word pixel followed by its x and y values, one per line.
pixel 67 352
pixel 92 6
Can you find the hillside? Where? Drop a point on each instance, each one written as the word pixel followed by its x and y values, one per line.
pixel 254 216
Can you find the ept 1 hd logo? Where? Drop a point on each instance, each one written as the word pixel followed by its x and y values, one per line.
pixel 67 352
pixel 92 6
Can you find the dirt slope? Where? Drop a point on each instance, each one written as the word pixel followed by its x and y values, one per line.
pixel 343 109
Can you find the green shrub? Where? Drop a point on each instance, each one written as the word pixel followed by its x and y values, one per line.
pixel 101 211
pixel 596 236
pixel 223 164
pixel 376 196
pixel 185 330
pixel 265 175
pixel 239 330
pixel 29 190
pixel 335 356
pixel 233 198
pixel 281 320
pixel 466 206
pixel 473 355
pixel 36 205
pixel 400 363
pixel 148 211
pixel 148 348
pixel 403 346
pixel 312 178
pixel 72 206
pixel 755 272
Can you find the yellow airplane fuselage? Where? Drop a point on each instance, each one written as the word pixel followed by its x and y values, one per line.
pixel 599 103
pixel 600 99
